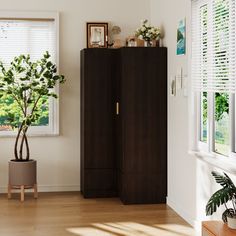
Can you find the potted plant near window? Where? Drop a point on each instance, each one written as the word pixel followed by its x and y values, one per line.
pixel 221 197
pixel 25 87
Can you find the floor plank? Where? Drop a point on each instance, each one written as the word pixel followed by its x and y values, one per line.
pixel 69 214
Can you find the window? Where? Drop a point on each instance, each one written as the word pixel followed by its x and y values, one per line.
pixel 203 122
pixel 33 34
pixel 214 74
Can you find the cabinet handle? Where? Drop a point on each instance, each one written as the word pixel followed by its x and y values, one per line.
pixel 117 108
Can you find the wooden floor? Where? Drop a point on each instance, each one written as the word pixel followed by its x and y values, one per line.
pixel 68 214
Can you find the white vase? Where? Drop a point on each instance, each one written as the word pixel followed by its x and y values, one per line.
pixel 231 222
pixel 147 43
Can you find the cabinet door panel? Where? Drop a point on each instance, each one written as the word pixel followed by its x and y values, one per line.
pixel 143 188
pixel 144 119
pixel 100 183
pixel 98 121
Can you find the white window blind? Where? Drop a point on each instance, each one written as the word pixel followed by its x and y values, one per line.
pixel 33 34
pixel 213 45
pixel 33 37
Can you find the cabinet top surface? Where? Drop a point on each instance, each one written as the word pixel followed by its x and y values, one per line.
pixel 218 228
pixel 128 48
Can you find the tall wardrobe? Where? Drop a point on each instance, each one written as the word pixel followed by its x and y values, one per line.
pixel 124 124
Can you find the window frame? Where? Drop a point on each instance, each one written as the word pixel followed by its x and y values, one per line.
pixel 205 150
pixel 202 145
pixel 209 146
pixel 53 128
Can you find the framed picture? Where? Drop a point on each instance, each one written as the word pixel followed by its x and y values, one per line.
pixel 181 38
pixel 97 35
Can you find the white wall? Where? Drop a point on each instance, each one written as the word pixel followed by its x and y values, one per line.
pixel 59 157
pixel 190 183
pixel 181 166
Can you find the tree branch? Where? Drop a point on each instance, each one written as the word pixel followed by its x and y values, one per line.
pixel 24 140
pixel 27 148
pixel 25 102
pixel 21 107
pixel 35 105
pixel 16 142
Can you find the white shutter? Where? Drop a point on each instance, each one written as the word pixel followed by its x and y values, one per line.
pixel 213 45
pixel 33 37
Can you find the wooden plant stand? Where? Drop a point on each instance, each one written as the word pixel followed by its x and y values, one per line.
pixel 22 191
pixel 216 228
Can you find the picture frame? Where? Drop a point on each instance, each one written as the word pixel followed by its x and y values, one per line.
pixel 97 34
pixel 181 37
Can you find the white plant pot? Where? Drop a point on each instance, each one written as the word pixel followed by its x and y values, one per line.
pixel 231 222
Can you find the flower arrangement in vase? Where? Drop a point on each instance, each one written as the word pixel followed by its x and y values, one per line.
pixel 147 33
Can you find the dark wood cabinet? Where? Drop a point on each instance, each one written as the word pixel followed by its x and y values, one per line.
pixel 124 154
pixel 143 120
pixel 98 162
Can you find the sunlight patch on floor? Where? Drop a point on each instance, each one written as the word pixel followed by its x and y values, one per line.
pixel 132 229
pixel 89 231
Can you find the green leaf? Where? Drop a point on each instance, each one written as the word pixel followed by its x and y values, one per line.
pixel 47 74
pixel 54 69
pixel 46 55
pixel 35 83
pixel 220 197
pixel 223 180
pixel 53 95
pixel 49 64
pixel 56 77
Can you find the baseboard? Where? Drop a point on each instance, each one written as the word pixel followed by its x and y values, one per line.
pixel 181 211
pixel 51 188
pixel 65 188
pixel 196 224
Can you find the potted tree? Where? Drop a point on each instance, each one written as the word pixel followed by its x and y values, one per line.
pixel 221 197
pixel 26 86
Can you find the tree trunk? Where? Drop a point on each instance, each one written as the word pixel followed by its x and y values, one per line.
pixel 16 143
pixel 24 140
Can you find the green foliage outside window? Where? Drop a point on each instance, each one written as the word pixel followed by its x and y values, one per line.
pixel 10 113
pixel 221 105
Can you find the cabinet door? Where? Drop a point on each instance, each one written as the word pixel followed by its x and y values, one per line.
pixel 98 109
pixel 144 109
pixel 98 162
pixel 143 165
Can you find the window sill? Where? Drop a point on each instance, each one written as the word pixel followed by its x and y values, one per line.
pixel 12 135
pixel 227 164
